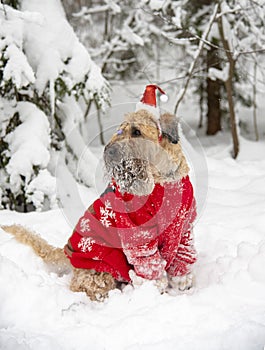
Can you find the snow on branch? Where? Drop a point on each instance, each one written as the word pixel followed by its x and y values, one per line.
pixel 17 68
pixel 29 149
pixel 219 74
pixel 129 36
pixel 56 53
pixel 32 134
pixel 226 10
pixel 110 5
pixel 27 16
pixel 42 64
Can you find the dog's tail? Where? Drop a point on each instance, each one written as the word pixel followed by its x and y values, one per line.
pixel 48 253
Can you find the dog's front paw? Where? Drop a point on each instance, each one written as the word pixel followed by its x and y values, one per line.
pixel 162 284
pixel 181 283
pixel 135 279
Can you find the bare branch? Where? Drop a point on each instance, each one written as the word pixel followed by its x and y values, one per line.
pixel 236 9
pixel 194 36
pixel 4 9
pixel 85 11
pixel 194 62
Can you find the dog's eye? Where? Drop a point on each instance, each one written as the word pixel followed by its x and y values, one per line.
pixel 136 132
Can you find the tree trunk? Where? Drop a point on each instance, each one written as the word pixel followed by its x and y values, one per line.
pixel 229 86
pixel 106 26
pixel 229 91
pixel 201 103
pixel 101 133
pixel 256 130
pixel 213 95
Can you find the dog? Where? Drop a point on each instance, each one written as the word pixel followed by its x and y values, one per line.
pixel 141 226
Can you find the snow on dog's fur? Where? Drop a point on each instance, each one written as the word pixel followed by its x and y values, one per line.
pixel 136 159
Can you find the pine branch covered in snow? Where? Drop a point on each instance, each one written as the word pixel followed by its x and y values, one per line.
pixel 28 155
pixel 121 36
pixel 43 67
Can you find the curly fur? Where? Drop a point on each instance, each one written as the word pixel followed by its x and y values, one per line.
pixel 127 156
pixel 95 284
pixel 136 163
pixel 47 252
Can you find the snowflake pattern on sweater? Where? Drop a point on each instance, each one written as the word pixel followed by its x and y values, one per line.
pixel 107 213
pixel 150 234
pixel 84 225
pixel 86 244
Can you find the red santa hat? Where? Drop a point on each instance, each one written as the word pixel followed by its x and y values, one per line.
pixel 149 100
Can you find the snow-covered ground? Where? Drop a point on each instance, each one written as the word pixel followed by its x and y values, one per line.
pixel 226 309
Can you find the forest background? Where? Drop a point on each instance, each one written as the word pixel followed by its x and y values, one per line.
pixel 206 53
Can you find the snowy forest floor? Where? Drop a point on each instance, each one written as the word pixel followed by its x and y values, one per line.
pixel 225 310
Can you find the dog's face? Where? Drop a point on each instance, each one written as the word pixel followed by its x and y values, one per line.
pixel 135 157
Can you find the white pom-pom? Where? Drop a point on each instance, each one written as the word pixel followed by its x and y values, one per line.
pixel 163 98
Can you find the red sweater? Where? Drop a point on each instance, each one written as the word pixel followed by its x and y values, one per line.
pixel 149 234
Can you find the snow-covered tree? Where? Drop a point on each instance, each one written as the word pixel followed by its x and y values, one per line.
pixel 123 36
pixel 44 72
pixel 220 57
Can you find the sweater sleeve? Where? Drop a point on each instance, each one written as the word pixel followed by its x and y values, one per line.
pixel 180 258
pixel 146 260
pixel 140 242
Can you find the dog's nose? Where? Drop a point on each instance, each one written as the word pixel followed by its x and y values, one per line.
pixel 111 151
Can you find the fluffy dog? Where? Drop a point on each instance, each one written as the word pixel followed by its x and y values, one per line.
pixel 141 226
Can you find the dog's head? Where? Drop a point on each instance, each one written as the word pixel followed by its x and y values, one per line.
pixel 137 157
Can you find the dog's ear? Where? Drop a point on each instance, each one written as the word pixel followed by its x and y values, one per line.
pixel 169 126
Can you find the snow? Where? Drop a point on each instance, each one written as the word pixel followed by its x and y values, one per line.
pixel 44 55
pixel 17 67
pixel 86 159
pixel 11 42
pixel 128 35
pixel 224 311
pixel 222 75
pixel 32 134
pixel 156 4
pixel 41 187
pixel 53 50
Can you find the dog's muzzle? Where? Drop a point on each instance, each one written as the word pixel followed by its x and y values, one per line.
pixel 130 172
pixel 112 153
